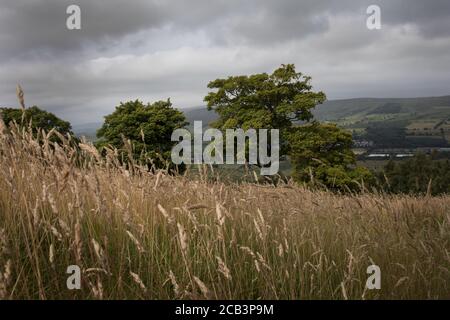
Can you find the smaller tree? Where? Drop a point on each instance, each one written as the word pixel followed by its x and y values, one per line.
pixel 418 175
pixel 322 153
pixel 38 118
pixel 148 127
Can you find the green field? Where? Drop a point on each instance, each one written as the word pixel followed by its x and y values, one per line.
pixel 407 123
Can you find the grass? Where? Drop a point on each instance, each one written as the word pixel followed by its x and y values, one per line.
pixel 138 235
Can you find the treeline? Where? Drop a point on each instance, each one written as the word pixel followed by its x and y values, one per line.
pixel 422 174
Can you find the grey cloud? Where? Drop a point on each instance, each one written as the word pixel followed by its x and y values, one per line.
pixel 35 29
pixel 38 28
pixel 158 49
pixel 432 18
pixel 275 21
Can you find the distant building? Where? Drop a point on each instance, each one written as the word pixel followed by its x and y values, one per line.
pixel 404 155
pixel 378 155
pixel 362 143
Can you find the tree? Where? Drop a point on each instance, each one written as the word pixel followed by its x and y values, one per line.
pixel 418 175
pixel 284 100
pixel 148 128
pixel 322 153
pixel 275 101
pixel 38 118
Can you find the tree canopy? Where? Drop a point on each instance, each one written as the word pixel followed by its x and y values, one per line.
pixel 38 118
pixel 261 100
pixel 147 126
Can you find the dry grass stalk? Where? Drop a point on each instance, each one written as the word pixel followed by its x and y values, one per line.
pixel 3 127
pixel 205 291
pixel 182 237
pixel 176 287
pixel 51 254
pixel 136 242
pixel 5 280
pixel 138 280
pixel 20 96
pixel 170 219
pixel 223 269
pixel 304 244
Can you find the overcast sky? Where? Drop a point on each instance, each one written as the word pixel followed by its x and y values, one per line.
pixel 155 49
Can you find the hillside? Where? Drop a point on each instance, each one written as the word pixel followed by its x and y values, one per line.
pixel 200 114
pixel 392 122
pixel 333 110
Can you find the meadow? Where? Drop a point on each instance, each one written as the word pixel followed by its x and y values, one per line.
pixel 137 234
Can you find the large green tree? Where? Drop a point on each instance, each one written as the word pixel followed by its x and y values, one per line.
pixel 270 101
pixel 147 126
pixel 285 100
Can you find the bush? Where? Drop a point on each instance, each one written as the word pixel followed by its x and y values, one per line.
pixel 321 153
pixel 148 128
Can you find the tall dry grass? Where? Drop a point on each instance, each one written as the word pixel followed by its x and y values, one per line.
pixel 138 235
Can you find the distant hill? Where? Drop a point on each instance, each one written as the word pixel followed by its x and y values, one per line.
pixel 392 122
pixel 388 122
pixel 339 109
pixel 199 114
pixel 88 130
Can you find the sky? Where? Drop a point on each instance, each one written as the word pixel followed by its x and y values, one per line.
pixel 155 49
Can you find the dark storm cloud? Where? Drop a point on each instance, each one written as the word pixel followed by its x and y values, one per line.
pixel 276 21
pixel 432 18
pixel 37 28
